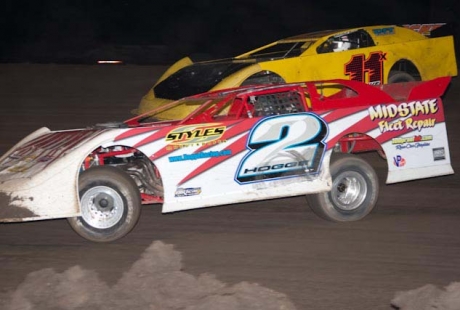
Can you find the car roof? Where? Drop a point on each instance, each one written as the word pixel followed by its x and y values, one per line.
pixel 327 33
pixel 382 34
pixel 311 35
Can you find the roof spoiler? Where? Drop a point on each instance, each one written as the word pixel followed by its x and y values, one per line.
pixel 430 89
pixel 425 29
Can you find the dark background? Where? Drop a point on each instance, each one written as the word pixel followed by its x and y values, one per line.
pixel 155 32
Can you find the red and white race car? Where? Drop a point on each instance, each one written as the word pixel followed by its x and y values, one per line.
pixel 237 145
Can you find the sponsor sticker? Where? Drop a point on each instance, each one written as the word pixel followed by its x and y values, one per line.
pixel 413 142
pixel 395 117
pixel 413 139
pixel 195 134
pixel 439 153
pixel 399 161
pixel 200 155
pixel 384 31
pixel 188 191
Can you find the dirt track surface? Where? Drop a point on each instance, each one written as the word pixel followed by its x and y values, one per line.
pixel 411 240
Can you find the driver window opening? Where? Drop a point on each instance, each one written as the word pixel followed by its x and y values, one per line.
pixel 346 41
pixel 334 91
pixel 277 103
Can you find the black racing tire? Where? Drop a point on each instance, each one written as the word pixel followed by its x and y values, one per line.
pixel 354 193
pixel 400 77
pixel 110 204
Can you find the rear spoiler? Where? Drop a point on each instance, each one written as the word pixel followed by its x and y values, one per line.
pixel 430 89
pixel 425 29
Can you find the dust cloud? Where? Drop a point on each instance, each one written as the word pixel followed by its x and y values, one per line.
pixel 155 282
pixel 429 297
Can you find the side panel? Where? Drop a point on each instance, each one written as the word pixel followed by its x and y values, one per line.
pixel 414 137
pixel 412 134
pixel 38 180
pixel 229 162
pixel 253 159
pixel 51 193
pixel 433 58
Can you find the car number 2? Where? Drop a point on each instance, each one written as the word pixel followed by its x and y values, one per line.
pixel 283 146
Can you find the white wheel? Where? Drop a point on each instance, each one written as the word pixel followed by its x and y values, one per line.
pixel 354 191
pixel 349 189
pixel 101 207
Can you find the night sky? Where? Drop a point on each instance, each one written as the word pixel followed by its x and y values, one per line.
pixel 75 31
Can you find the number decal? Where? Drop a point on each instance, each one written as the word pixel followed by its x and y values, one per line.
pixel 358 66
pixel 283 146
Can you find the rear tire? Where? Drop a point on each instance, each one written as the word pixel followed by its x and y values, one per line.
pixel 354 192
pixel 110 204
pixel 400 77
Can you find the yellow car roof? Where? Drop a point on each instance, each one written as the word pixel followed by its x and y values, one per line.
pixel 310 36
pixel 386 33
pixel 381 34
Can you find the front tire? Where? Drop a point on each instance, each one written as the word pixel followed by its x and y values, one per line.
pixel 354 191
pixel 110 204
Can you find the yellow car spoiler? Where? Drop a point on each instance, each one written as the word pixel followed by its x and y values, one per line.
pixel 424 29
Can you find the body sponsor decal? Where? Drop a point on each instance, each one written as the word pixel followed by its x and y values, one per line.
pixel 367 70
pixel 195 134
pixel 189 191
pixel 399 161
pixel 439 153
pixel 411 115
pixel 200 155
pixel 237 146
pixel 140 140
pixel 384 31
pixel 417 138
pixel 283 146
pixel 417 141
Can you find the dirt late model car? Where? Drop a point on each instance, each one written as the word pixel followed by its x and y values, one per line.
pixel 375 55
pixel 237 145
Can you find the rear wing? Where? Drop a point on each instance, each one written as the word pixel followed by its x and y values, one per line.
pixel 432 88
pixel 417 90
pixel 425 29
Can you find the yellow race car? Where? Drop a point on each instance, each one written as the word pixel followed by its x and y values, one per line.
pixel 374 55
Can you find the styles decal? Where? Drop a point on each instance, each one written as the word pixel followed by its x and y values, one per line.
pixel 196 135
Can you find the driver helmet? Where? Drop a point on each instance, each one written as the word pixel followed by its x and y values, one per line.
pixel 341 44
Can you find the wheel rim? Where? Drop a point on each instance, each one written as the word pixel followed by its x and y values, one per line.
pixel 349 189
pixel 101 207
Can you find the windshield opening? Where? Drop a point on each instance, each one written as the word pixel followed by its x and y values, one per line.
pixel 182 107
pixel 281 50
